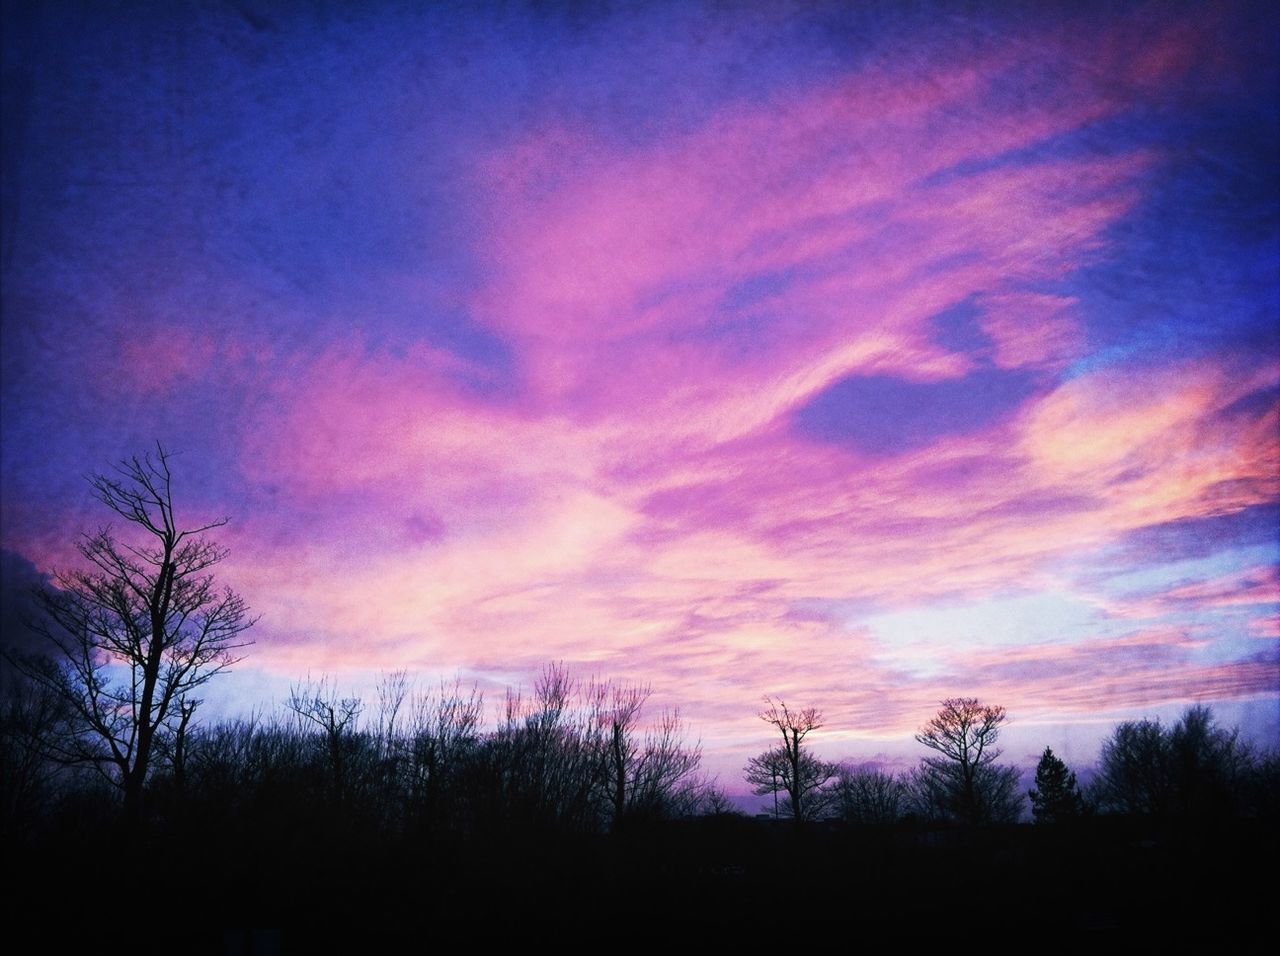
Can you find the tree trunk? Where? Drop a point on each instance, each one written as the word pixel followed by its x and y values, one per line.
pixel 133 794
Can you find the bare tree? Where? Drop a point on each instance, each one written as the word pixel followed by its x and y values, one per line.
pixel 639 775
pixel 319 705
pixel 444 731
pixel 615 713
pixel 139 630
pixel 803 775
pixel 765 774
pixel 965 782
pixel 545 768
pixel 582 757
pixel 31 716
pixel 393 692
pixel 710 801
pixel 867 795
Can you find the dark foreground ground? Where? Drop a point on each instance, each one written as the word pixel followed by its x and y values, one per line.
pixel 714 881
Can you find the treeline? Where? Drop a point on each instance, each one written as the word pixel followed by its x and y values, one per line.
pixel 579 804
pixel 1192 771
pixel 587 757
pixel 573 756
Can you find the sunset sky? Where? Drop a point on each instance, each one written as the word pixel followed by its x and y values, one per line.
pixel 857 354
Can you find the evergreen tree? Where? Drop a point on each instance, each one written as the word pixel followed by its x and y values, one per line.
pixel 1056 796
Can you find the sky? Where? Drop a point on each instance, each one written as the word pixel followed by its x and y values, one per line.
pixel 861 355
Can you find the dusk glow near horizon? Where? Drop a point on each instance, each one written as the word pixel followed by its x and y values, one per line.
pixel 856 357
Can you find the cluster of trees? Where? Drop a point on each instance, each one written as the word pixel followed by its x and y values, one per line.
pixel 963 783
pixel 1192 770
pixel 571 757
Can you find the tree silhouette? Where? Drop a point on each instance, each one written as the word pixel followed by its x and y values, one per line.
pixel 1056 796
pixel 765 774
pixel 802 774
pixel 1133 775
pixel 965 783
pixel 1208 765
pixel 640 773
pixel 336 718
pixel 443 735
pixel 138 631
pixel 866 795
pixel 1193 769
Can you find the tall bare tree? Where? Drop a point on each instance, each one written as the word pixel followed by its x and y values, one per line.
pixel 641 774
pixel 139 629
pixel 803 774
pixel 444 732
pixel 337 718
pixel 965 782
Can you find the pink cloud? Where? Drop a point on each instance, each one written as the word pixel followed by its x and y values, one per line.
pixel 1255 585
pixel 646 505
pixel 1265 627
pixel 599 255
pixel 568 556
